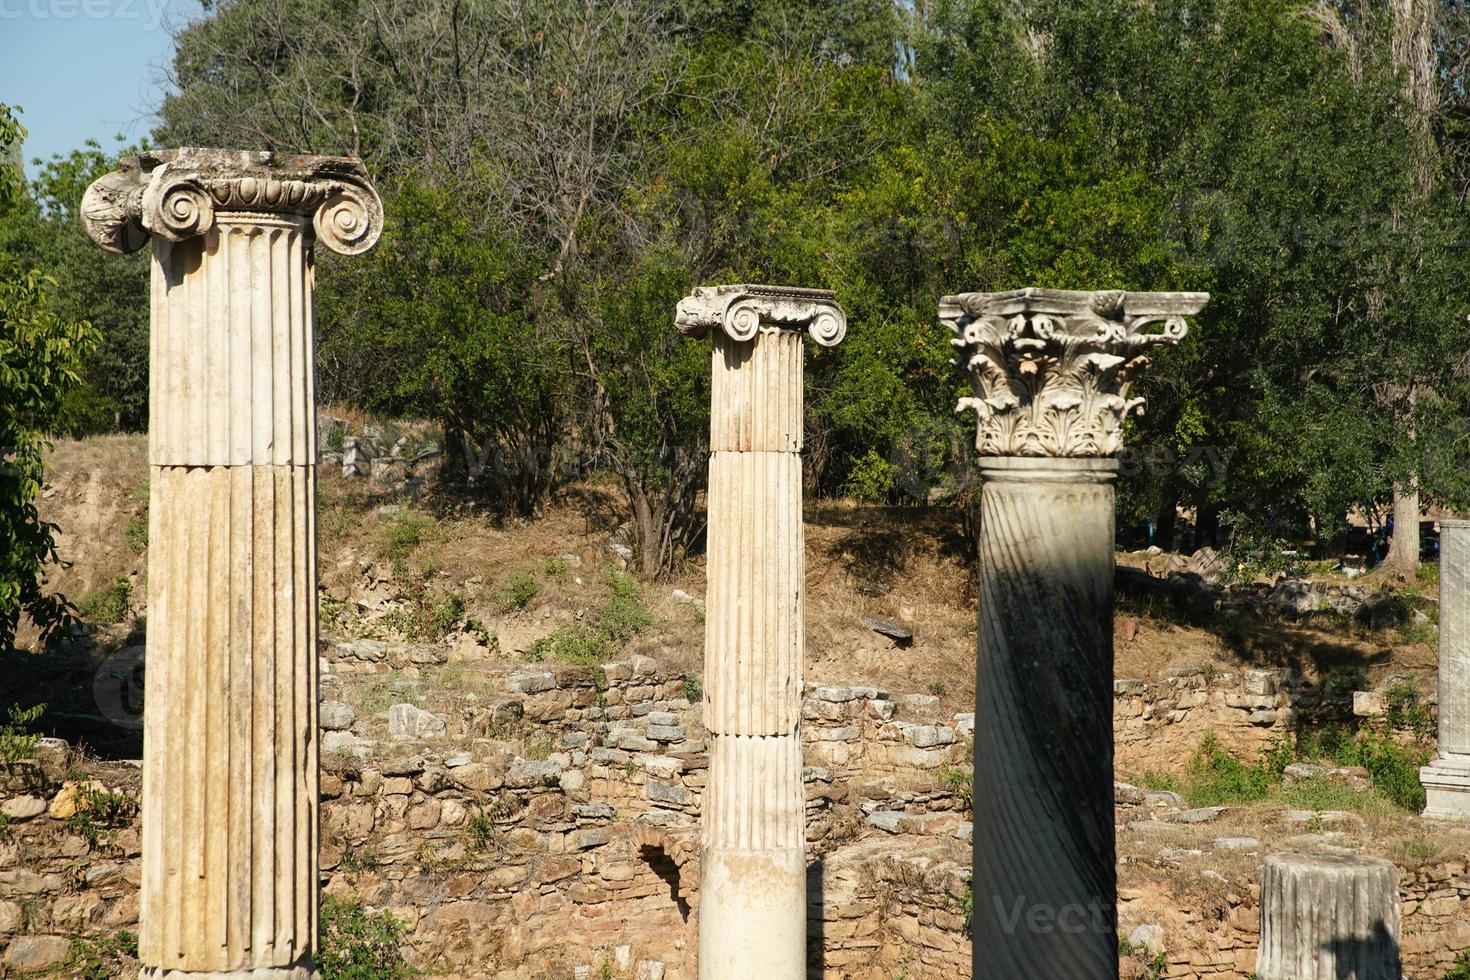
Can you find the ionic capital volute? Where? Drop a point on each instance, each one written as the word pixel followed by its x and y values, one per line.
pixel 743 311
pixel 176 195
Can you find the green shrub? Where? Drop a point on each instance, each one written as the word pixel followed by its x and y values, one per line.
pixel 360 859
pixel 401 537
pixel 1417 851
pixel 872 479
pixel 1217 778
pixel 99 813
pixel 427 615
pixel 1254 551
pixel 1153 966
pixel 613 623
pixel 135 533
pixel 1407 711
pixel 102 957
pixel 1460 969
pixel 359 945
pixel 1393 768
pixel 517 592
pixel 16 743
pixel 962 779
pixel 107 603
pixel 623 615
pixel 480 830
pixel 693 688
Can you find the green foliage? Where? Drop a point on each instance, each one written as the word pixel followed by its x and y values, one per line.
pixel 135 533
pixel 360 945
pixel 693 688
pixel 1217 777
pixel 1406 710
pixel 99 813
pixel 42 352
pixel 623 615
pixel 962 778
pixel 100 957
pixel 437 322
pixel 480 830
pixel 405 533
pixel 555 568
pixel 426 615
pixel 1411 851
pixel 1460 969
pixel 872 478
pixel 517 592
pixel 361 859
pixel 1154 964
pixel 611 624
pixel 17 744
pixel 1254 551
pixel 108 603
pixel 547 208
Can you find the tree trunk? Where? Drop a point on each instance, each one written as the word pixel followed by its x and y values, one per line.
pixel 1207 526
pixel 456 470
pixel 1403 549
pixel 1165 521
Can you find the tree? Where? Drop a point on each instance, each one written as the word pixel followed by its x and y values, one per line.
pixel 438 322
pixel 41 356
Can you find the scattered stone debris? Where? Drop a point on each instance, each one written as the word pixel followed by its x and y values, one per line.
pixel 901 635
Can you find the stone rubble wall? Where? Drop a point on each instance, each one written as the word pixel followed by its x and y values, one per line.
pixel 552 826
pixel 1158 726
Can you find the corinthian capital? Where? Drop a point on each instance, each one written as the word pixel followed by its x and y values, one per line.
pixel 1051 368
pixel 175 195
pixel 742 311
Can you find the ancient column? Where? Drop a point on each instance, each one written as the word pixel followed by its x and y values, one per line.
pixel 1446 780
pixel 1326 917
pixel 1051 371
pixel 230 871
pixel 752 897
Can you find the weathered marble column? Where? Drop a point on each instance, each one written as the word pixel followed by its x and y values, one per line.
pixel 752 898
pixel 1051 371
pixel 230 874
pixel 1446 780
pixel 1329 917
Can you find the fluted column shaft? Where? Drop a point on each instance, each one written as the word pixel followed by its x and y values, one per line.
pixel 1329 917
pixel 1043 847
pixel 230 768
pixel 753 895
pixel 1051 372
pixel 1446 780
pixel 752 906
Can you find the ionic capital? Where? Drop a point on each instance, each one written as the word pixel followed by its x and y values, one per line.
pixel 175 194
pixel 742 311
pixel 1051 368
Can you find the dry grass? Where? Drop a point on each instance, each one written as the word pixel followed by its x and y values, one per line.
pixel 904 564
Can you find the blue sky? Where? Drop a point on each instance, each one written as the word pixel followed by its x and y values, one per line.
pixel 86 68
